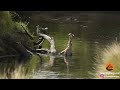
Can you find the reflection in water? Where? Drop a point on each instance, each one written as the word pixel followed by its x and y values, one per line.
pixel 46 73
pixel 12 68
pixel 51 62
pixel 18 68
pixel 92 33
pixel 67 59
pixel 48 66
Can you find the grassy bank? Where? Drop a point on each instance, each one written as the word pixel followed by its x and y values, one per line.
pixel 109 55
pixel 10 28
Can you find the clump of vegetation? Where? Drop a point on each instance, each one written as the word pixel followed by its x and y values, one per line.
pixel 6 23
pixel 14 68
pixel 109 55
pixel 16 38
pixel 11 30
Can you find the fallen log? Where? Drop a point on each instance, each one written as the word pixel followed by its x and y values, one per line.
pixel 50 40
pixel 25 51
pixel 35 51
pixel 38 43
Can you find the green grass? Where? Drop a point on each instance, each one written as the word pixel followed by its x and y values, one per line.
pixel 10 27
pixel 6 23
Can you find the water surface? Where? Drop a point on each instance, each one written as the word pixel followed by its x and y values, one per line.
pixel 90 36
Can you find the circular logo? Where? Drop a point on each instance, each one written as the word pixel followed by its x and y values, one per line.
pixel 109 67
pixel 101 75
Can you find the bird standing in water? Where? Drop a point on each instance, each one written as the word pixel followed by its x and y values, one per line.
pixel 68 50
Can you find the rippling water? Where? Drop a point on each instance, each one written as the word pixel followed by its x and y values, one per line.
pixel 86 43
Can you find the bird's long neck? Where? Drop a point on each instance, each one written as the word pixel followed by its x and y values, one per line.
pixel 37 29
pixel 70 42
